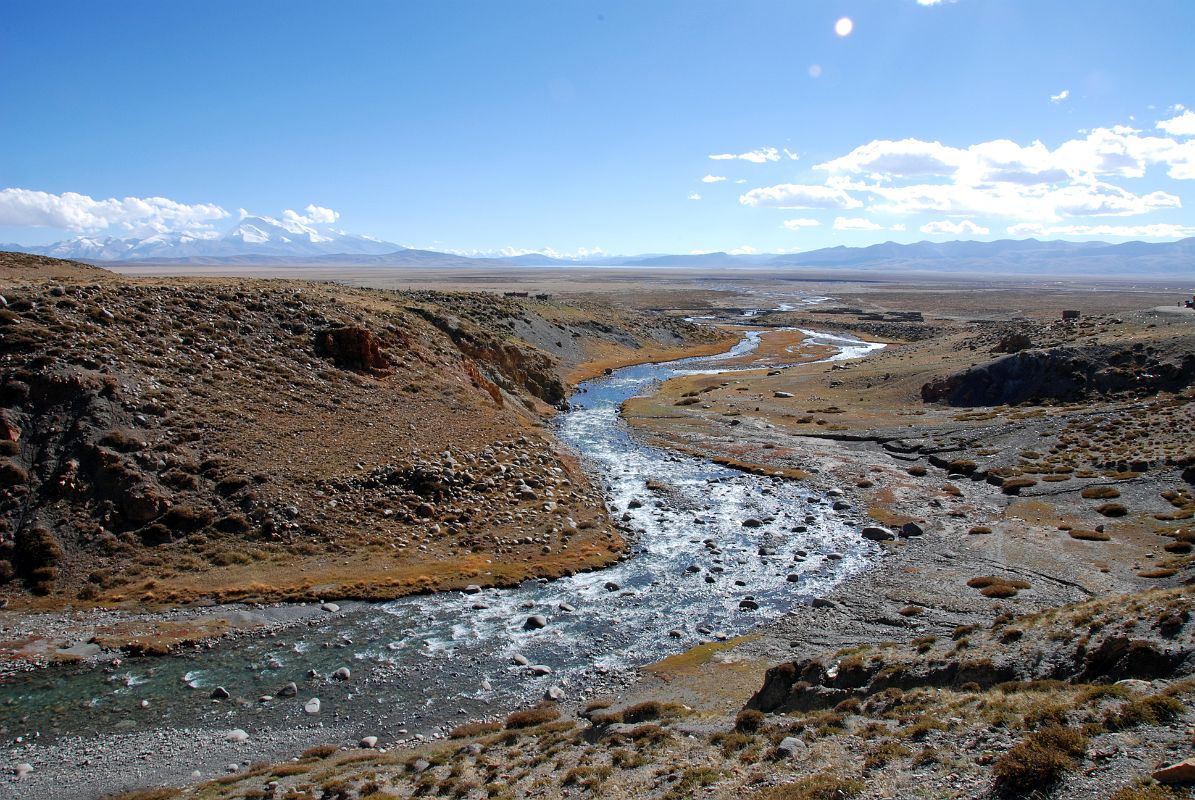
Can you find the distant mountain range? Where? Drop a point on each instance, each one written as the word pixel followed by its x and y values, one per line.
pixel 272 242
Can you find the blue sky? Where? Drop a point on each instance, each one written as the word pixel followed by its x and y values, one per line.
pixel 485 126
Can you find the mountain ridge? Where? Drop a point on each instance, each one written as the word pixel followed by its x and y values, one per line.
pixel 269 242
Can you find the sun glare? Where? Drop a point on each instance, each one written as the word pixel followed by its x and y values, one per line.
pixel 844 26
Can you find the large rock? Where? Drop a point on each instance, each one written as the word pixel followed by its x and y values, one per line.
pixel 535 622
pixel 877 534
pixel 1182 772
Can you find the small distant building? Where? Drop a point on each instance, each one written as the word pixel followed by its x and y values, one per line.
pixel 1069 315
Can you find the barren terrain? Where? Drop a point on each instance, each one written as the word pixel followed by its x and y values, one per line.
pixel 1024 630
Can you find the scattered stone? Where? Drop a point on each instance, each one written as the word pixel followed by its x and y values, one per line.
pixel 611 586
pixel 790 747
pixel 554 693
pixel 782 394
pixel 566 608
pixel 331 608
pixel 748 605
pixel 312 706
pixel 752 522
pixel 520 659
pixel 472 588
pixel 877 534
pixel 220 693
pixel 535 622
pixel 540 669
pixel 910 529
pixel 368 742
pixel 23 769
pixel 289 690
pixel 1182 772
pixel 236 736
pixel 821 602
pixel 342 674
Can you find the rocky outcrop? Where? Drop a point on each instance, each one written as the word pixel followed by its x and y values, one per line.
pixel 1063 373
pixel 352 348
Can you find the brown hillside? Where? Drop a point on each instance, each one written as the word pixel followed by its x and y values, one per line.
pixel 175 440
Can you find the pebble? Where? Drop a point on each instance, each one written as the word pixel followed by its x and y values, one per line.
pixel 22 769
pixel 554 693
pixel 312 706
pixel 220 693
pixel 368 742
pixel 236 735
pixel 521 660
pixel 342 674
pixel 289 690
pixel 331 608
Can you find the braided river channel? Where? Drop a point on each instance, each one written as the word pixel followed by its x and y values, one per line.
pixel 421 664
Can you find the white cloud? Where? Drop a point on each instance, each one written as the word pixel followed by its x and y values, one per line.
pixel 694 196
pixel 884 160
pixel 1058 98
pixel 792 195
pixel 745 250
pixel 928 2
pixel 1152 231
pixel 963 227
pixel 316 215
pixel 791 155
pixel 81 213
pixel 713 178
pixel 900 226
pixel 855 224
pixel 797 224
pixel 741 180
pixel 759 156
pixel 1182 125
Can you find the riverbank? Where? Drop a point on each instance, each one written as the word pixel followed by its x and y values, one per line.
pixel 1031 581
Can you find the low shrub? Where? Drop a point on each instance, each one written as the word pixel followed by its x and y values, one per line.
pixel 1040 759
pixel 536 715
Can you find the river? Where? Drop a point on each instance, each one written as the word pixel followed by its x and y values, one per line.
pixel 422 663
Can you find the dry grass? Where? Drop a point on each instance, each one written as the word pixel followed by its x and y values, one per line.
pixel 1040 759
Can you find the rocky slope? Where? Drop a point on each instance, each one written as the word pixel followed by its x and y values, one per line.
pixel 174 440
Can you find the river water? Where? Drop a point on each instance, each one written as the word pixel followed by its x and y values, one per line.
pixel 421 663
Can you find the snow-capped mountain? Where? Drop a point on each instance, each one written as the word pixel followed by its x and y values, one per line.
pixel 262 236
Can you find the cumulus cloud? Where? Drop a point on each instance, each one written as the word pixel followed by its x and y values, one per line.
pixel 797 224
pixel 316 215
pixel 1159 230
pixel 759 156
pixel 84 214
pixel 963 227
pixel 792 195
pixel 745 250
pixel 1182 125
pixel 713 178
pixel 855 224
pixel 694 196
pixel 1058 98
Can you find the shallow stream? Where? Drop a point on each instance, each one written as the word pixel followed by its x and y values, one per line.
pixel 421 663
